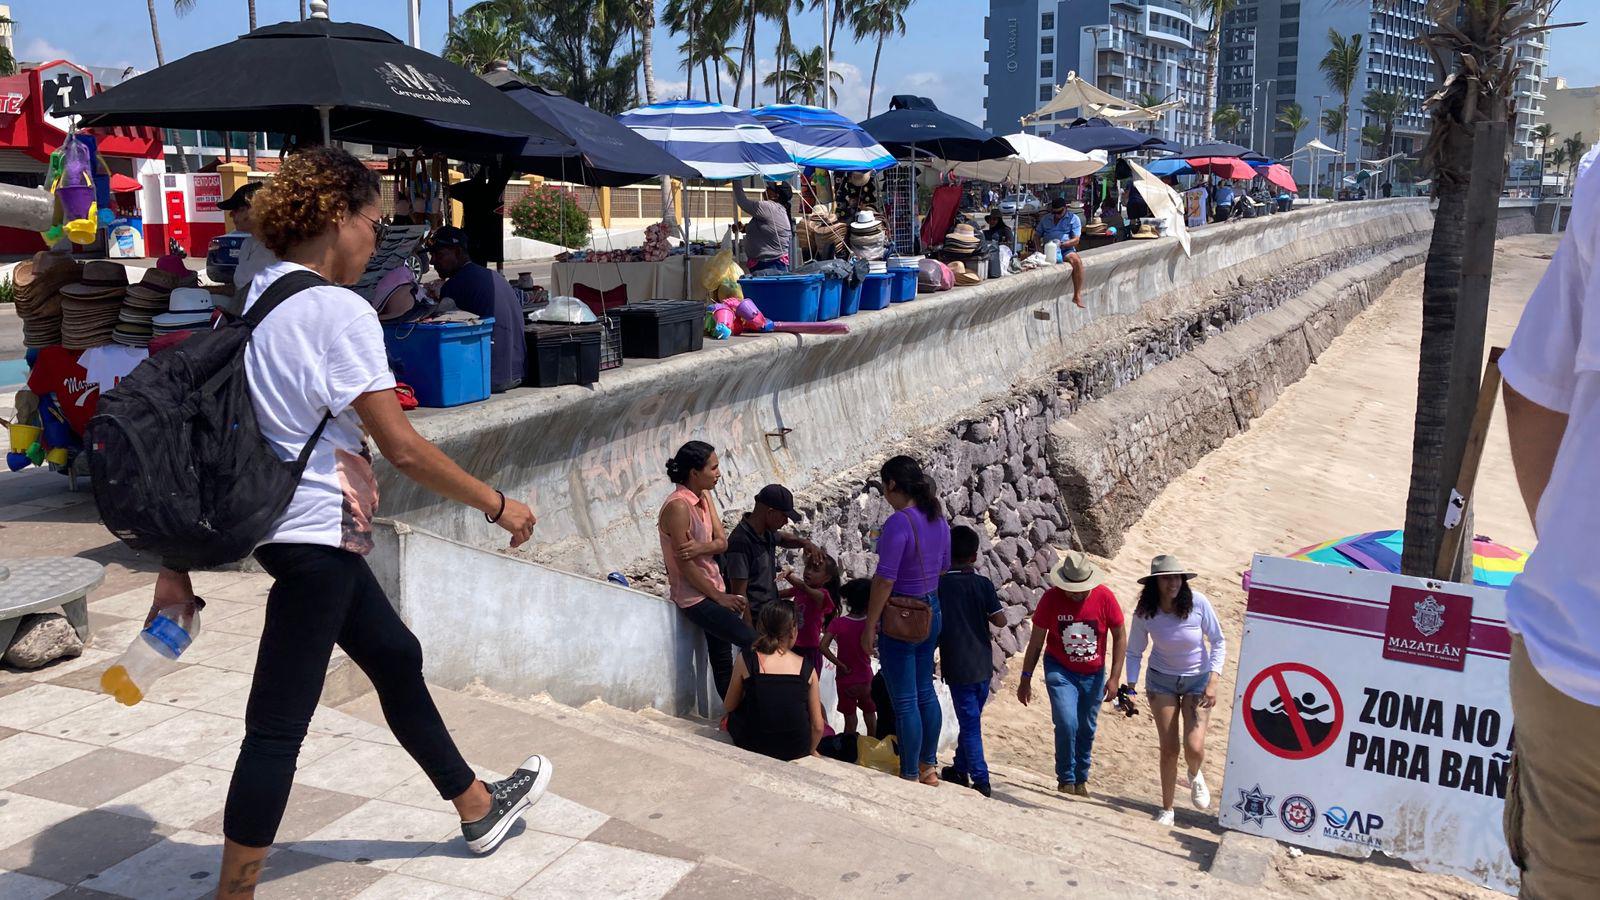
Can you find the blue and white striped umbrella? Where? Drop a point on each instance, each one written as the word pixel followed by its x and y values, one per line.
pixel 823 139
pixel 720 142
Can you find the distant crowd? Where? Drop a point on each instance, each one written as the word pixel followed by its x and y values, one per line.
pixel 925 595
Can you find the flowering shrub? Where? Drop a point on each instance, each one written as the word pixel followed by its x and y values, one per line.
pixel 550 215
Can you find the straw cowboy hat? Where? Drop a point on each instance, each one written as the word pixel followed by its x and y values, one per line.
pixel 1145 232
pixel 865 221
pixel 101 280
pixel 1166 564
pixel 1075 573
pixel 964 239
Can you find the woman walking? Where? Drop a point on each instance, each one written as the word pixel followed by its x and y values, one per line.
pixel 913 550
pixel 1187 650
pixel 318 374
pixel 773 705
pixel 691 537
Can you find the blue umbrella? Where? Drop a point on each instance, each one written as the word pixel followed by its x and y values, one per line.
pixel 1098 134
pixel 823 139
pixel 915 124
pixel 719 142
pixel 1164 167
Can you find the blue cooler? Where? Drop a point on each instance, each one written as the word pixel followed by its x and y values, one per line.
pixel 785 298
pixel 446 364
pixel 850 299
pixel 876 291
pixel 832 295
pixel 905 285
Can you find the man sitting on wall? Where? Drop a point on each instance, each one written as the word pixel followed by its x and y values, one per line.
pixel 486 294
pixel 1063 226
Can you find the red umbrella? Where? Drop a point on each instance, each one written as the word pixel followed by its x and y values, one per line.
pixel 1280 176
pixel 122 184
pixel 1222 166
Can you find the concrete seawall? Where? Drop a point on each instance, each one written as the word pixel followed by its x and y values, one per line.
pixel 802 409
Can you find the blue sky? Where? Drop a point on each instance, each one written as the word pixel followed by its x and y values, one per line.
pixel 941 56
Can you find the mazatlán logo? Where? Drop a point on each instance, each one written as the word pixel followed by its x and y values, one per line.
pixel 1353 827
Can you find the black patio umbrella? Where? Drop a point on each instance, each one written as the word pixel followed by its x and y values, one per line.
pixel 1098 134
pixel 333 80
pixel 1220 149
pixel 1163 146
pixel 601 151
pixel 915 125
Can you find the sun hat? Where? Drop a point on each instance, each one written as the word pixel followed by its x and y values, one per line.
pixel 860 179
pixel 173 320
pixel 1145 232
pixel 101 280
pixel 190 300
pixel 1075 207
pixel 964 239
pixel 865 220
pixel 1166 564
pixel 155 285
pixel 1075 573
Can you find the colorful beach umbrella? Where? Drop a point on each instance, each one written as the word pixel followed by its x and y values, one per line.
pixel 719 142
pixel 1280 176
pixel 822 139
pixel 1493 564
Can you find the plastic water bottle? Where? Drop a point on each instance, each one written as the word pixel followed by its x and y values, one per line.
pixel 153 653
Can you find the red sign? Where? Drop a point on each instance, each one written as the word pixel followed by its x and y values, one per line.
pixel 11 104
pixel 207 193
pixel 1293 711
pixel 1428 628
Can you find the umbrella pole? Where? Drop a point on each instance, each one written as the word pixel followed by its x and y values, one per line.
pixel 916 233
pixel 327 131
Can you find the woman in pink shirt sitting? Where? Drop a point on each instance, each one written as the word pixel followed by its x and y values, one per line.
pixel 691 537
pixel 1187 651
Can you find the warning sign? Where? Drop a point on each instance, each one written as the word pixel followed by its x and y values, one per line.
pixel 1373 713
pixel 1294 711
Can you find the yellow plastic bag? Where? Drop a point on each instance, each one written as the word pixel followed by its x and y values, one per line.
pixel 721 276
pixel 881 755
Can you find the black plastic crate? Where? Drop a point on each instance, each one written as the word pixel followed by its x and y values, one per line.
pixel 562 354
pixel 657 329
pixel 610 344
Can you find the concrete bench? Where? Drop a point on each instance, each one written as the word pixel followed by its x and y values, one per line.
pixel 44 584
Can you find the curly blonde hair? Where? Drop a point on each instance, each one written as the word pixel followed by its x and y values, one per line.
pixel 310 193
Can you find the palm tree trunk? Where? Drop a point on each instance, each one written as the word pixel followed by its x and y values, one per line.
pixel 872 84
pixel 449 13
pixel 750 38
pixel 1211 80
pixel 161 60
pixel 250 146
pixel 303 12
pixel 705 78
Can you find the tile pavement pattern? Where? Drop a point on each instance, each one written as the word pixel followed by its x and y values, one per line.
pixel 101 800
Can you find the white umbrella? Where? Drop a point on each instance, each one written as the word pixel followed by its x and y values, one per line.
pixel 1164 203
pixel 1090 101
pixel 1037 161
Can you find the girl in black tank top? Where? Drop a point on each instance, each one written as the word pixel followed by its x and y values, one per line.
pixel 772 712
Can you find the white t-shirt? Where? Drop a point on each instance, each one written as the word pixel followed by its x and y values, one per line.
pixel 314 354
pixel 1554 360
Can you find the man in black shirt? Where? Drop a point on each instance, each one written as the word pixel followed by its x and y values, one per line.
pixel 749 566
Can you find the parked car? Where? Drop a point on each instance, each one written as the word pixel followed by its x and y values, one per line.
pixel 1015 204
pixel 222 256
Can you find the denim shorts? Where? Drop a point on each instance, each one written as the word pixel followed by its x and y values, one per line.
pixel 1175 685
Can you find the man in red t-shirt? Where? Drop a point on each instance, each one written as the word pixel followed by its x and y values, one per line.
pixel 1071 622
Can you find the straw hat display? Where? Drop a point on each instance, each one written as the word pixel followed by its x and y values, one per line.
pixel 92 306
pixel 866 235
pixel 963 241
pixel 38 283
pixel 189 308
pixel 143 303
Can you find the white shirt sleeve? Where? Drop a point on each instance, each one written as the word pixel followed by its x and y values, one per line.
pixel 1138 637
pixel 1548 348
pixel 1212 628
pixel 356 363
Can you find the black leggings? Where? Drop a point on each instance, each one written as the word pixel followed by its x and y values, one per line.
pixel 725 629
pixel 322 596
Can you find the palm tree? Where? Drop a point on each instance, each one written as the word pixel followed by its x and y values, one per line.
pixel 804 78
pixel 181 7
pixel 1543 134
pixel 1387 106
pixel 483 36
pixel 1295 119
pixel 1574 146
pixel 1473 45
pixel 1229 120
pixel 1340 66
pixel 1213 11
pixel 1332 121
pixel 1372 136
pixel 879 19
pixel 778 11
pixel 1558 158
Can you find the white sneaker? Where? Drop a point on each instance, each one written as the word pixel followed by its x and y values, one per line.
pixel 1198 792
pixel 1165 818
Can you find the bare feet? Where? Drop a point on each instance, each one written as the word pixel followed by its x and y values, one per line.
pixel 1077 300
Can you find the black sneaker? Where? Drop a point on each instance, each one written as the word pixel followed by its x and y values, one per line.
pixel 949 773
pixel 983 788
pixel 510 798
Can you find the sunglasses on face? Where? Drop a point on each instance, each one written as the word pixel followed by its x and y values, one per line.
pixel 378 228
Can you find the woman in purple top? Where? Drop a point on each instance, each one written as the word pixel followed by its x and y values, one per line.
pixel 913 550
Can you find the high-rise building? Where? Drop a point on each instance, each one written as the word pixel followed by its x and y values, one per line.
pixel 1533 56
pixel 5 30
pixel 1144 51
pixel 1271 54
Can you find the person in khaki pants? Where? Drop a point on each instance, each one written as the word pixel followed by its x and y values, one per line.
pixel 1552 393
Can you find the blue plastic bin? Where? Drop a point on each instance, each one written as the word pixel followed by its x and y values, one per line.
pixel 850 299
pixel 876 290
pixel 446 364
pixel 832 296
pixel 905 285
pixel 785 298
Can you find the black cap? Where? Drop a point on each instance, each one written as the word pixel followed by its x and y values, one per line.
pixel 1059 203
pixel 448 236
pixel 778 497
pixel 240 197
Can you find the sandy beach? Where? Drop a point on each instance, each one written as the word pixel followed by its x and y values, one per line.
pixel 1332 458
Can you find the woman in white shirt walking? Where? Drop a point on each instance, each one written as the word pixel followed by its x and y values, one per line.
pixel 1187 651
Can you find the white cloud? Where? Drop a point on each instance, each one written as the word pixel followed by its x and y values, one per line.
pixel 40 50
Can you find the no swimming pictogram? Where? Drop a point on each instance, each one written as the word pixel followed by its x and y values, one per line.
pixel 1292 711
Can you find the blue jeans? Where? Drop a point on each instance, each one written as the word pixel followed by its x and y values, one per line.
pixel 908 674
pixel 1074 708
pixel 968 700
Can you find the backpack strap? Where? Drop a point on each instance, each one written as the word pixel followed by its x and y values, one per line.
pixel 285 287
